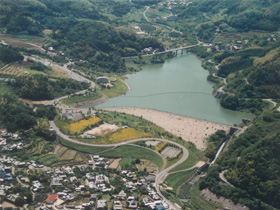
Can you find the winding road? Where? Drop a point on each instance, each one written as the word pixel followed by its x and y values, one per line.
pixel 160 177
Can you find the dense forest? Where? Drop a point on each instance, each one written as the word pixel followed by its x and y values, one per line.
pixel 9 55
pixel 253 165
pixel 15 115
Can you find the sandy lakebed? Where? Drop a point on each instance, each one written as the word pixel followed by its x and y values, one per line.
pixel 190 129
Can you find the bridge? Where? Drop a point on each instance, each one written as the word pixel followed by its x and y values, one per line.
pixel 166 51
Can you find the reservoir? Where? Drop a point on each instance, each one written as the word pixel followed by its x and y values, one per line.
pixel 177 86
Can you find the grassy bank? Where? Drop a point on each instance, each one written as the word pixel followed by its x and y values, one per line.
pixel 194 156
pixel 133 152
pixel 81 98
pixel 82 148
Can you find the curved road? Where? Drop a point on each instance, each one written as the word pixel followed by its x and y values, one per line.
pixel 72 74
pixel 160 176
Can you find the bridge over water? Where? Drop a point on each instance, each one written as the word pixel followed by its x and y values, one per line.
pixel 166 51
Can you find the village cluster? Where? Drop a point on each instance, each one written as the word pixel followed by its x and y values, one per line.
pixel 89 186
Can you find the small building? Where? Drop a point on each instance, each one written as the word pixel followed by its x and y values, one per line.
pixel 101 80
pixel 51 199
pixel 101 204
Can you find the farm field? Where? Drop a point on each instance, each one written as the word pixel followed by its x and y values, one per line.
pixel 68 155
pixel 14 70
pixel 115 163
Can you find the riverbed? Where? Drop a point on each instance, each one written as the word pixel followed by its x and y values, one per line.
pixel 177 86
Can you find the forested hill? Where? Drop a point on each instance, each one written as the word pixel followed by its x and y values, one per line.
pixel 99 43
pixel 79 31
pixel 230 16
pixel 33 16
pixel 252 165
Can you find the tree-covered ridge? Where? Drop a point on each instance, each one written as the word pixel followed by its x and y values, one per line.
pixel 252 163
pixel 33 16
pixel 9 55
pixel 257 171
pixel 253 71
pixel 99 43
pixel 229 16
pixel 39 87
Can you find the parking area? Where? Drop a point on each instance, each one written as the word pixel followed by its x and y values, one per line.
pixel 170 152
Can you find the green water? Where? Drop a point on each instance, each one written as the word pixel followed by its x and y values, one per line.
pixel 178 86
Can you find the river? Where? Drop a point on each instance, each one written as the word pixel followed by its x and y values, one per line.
pixel 178 86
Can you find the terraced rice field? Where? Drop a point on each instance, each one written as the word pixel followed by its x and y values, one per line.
pixel 14 70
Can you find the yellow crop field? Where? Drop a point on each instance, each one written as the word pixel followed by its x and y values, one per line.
pixel 126 134
pixel 78 127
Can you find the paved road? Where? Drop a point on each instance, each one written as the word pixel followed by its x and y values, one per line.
pixel 223 178
pixel 72 74
pixel 160 176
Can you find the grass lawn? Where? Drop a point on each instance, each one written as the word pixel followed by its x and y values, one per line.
pixel 133 152
pixel 125 161
pixel 75 99
pixel 82 148
pixel 177 179
pixel 119 88
pixel 194 156
pixel 171 162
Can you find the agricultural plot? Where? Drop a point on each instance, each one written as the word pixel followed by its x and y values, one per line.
pixel 68 155
pixel 61 151
pixel 170 152
pixel 14 70
pixel 115 163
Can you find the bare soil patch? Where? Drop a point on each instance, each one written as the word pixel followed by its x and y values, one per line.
pixel 115 164
pixel 226 203
pixel 102 130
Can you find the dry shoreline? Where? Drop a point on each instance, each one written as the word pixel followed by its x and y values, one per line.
pixel 190 129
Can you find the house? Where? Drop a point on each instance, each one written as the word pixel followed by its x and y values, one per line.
pixel 122 195
pixel 101 204
pixel 117 205
pixel 150 179
pixel 101 80
pixel 51 199
pixel 132 204
pixel 56 182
